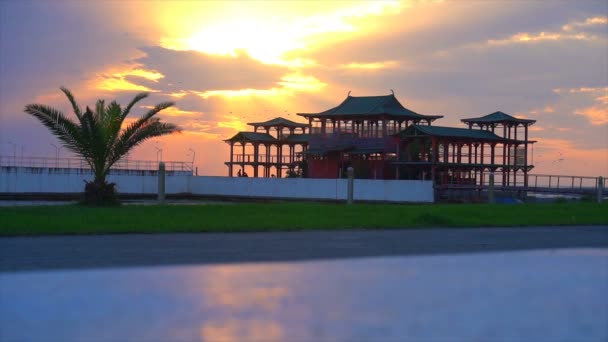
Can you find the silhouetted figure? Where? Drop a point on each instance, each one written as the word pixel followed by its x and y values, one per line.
pixel 245 174
pixel 239 174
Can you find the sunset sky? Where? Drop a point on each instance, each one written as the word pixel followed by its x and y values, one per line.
pixel 230 62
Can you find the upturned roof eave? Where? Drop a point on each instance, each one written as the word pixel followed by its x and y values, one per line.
pixel 497 117
pixel 392 115
pixel 284 123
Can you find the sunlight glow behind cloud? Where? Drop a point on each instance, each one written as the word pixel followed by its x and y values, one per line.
pixel 267 36
pixel 117 80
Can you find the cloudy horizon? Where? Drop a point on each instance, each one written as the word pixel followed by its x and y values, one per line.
pixel 233 62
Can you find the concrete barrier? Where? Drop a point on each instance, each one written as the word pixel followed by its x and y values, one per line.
pixel 45 181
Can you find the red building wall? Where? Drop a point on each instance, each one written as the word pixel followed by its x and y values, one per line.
pixel 323 168
pixel 364 169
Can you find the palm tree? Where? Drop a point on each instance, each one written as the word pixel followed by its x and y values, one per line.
pixel 97 136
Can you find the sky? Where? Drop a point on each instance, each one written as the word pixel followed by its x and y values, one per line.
pixel 227 63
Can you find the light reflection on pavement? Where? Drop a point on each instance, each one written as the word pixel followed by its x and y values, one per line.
pixel 545 295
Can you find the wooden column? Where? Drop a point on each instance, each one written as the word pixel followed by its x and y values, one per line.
pixel 268 159
pixel 526 159
pixel 243 156
pixel 231 159
pixel 515 157
pixel 504 155
pixel 256 147
pixel 279 161
pixel 483 168
pixel 384 130
pixel 434 157
pixel 476 168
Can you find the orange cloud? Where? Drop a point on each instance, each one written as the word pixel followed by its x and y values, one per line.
pixel 602 99
pixel 174 111
pixel 565 34
pixel 371 66
pixel 587 22
pixel 595 115
pixel 581 90
pixel 116 79
pixel 542 36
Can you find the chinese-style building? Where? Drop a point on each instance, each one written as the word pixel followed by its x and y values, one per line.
pixel 381 139
pixel 278 147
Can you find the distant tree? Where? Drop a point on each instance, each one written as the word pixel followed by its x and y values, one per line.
pixel 98 136
pixel 291 173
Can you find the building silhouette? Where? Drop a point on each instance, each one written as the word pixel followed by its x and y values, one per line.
pixel 381 139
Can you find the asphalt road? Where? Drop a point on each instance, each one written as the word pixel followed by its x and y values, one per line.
pixel 101 251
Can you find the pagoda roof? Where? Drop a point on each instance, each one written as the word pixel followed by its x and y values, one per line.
pixel 251 137
pixel 452 132
pixel 498 117
pixel 361 106
pixel 279 122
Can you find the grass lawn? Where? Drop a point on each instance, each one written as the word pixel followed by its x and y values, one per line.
pixel 75 219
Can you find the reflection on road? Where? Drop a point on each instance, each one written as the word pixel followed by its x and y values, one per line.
pixel 530 295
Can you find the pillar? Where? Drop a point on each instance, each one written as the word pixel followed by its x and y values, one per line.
pixel 243 160
pixel 526 157
pixel 230 172
pixel 255 159
pixel 279 161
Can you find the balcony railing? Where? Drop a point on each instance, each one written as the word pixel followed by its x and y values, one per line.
pixel 263 159
pixel 77 163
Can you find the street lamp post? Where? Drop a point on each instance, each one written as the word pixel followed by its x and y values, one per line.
pixel 193 157
pixel 57 148
pixel 14 152
pixel 159 151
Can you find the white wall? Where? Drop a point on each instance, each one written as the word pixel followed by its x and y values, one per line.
pixel 23 180
pixel 325 189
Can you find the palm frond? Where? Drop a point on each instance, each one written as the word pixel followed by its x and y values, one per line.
pixel 133 127
pixel 62 127
pixel 75 107
pixel 100 106
pixel 136 99
pixel 153 128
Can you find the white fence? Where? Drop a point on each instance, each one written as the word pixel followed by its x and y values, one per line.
pixel 20 180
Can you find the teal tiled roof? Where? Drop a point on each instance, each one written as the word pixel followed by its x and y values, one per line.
pixel 252 137
pixel 279 122
pixel 450 132
pixel 370 106
pixel 497 117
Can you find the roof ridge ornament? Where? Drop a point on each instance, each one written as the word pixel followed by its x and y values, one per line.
pixel 392 91
pixel 348 94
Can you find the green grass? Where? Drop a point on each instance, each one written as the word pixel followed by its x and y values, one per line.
pixel 286 216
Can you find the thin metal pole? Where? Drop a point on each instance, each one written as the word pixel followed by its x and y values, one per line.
pixel 600 189
pixel 351 175
pixel 491 198
pixel 161 182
